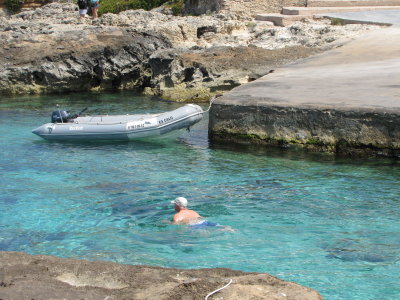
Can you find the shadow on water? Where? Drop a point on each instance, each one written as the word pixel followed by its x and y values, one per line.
pixel 142 144
pixel 8 200
pixel 18 240
pixel 352 255
pixel 364 248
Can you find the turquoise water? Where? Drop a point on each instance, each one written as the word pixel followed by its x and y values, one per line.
pixel 329 224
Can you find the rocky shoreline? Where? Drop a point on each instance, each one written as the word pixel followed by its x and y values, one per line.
pixel 49 50
pixel 24 276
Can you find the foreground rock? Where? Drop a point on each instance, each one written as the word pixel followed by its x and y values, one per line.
pixel 25 276
pixel 49 50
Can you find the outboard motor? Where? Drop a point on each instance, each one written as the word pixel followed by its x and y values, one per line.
pixel 60 116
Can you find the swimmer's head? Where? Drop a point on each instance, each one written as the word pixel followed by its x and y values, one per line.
pixel 180 201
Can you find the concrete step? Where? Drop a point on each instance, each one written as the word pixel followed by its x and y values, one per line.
pixel 282 20
pixel 322 10
pixel 351 3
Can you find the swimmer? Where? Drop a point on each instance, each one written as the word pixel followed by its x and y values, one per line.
pixel 183 214
pixel 190 217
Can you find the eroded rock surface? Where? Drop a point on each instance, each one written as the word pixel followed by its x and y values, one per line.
pixel 50 50
pixel 24 276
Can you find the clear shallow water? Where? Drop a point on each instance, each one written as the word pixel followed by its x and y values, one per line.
pixel 332 225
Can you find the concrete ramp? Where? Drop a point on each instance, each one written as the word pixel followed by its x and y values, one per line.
pixel 316 9
pixel 346 3
pixel 387 17
pixel 345 100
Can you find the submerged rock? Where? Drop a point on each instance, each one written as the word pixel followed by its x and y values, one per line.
pixel 50 50
pixel 26 276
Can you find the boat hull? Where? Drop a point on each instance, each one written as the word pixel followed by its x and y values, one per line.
pixel 123 127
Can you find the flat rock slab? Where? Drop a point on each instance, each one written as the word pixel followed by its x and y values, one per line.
pixel 362 75
pixel 24 276
pixel 349 95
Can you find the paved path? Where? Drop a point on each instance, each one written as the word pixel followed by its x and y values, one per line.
pixel 384 17
pixel 362 75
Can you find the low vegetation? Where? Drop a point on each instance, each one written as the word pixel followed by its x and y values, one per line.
pixel 116 6
pixel 337 22
pixel 13 5
pixel 110 6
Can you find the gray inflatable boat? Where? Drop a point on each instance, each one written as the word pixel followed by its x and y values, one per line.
pixel 64 127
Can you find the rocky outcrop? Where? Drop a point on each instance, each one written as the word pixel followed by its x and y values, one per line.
pixel 24 276
pixel 50 50
pixel 42 57
pixel 200 74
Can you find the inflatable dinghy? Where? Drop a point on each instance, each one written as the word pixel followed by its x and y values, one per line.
pixel 64 127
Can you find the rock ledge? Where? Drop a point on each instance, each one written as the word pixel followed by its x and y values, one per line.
pixel 25 276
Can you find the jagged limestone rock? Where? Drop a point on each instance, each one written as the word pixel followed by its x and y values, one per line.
pixel 50 50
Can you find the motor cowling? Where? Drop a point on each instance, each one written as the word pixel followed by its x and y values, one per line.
pixel 60 116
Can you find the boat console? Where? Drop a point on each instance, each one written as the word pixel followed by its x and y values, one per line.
pixel 60 116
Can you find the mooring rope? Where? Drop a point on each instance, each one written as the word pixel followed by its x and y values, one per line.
pixel 211 102
pixel 212 293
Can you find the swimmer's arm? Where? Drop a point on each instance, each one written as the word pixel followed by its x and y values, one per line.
pixel 172 221
pixel 177 220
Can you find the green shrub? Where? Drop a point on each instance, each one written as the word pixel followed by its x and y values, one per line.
pixel 116 6
pixel 337 22
pixel 113 6
pixel 176 6
pixel 14 5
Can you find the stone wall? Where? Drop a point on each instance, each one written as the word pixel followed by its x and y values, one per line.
pixel 358 133
pixel 240 7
